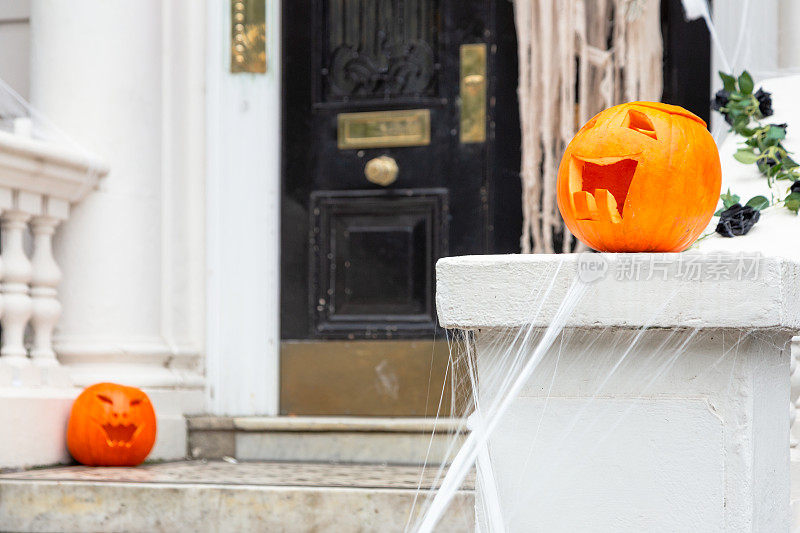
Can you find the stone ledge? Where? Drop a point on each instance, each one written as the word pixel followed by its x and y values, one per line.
pixel 39 421
pixel 403 441
pixel 326 423
pixel 45 168
pixel 39 415
pixel 475 292
pixel 695 369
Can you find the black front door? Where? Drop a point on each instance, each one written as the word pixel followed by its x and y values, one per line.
pixel 401 143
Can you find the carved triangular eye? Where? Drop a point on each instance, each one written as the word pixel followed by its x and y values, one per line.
pixel 135 402
pixel 638 121
pixel 104 398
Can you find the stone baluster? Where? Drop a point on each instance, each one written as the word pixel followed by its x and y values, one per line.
pixel 794 398
pixel 16 295
pixel 46 309
pixel 6 362
pixel 28 289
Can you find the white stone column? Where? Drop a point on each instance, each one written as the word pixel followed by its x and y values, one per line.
pixel 660 405
pixel 98 72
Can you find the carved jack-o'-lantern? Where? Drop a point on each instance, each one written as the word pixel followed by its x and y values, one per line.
pixel 111 425
pixel 640 177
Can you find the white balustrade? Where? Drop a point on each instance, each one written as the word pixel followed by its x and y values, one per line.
pixel 28 288
pixel 714 420
pixel 38 182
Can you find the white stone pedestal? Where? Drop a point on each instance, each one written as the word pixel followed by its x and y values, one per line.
pixel 661 407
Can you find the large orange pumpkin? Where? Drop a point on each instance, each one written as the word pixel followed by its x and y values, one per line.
pixel 640 177
pixel 111 425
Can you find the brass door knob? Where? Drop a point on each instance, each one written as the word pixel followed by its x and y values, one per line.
pixel 381 170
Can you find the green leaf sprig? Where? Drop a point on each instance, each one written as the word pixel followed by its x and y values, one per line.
pixel 729 200
pixel 763 144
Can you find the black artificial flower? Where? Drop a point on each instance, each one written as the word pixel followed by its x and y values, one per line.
pixel 795 186
pixel 721 100
pixel 768 162
pixel 737 220
pixel 764 102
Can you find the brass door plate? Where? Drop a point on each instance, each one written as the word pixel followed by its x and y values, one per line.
pixel 381 129
pixel 473 93
pixel 368 378
pixel 248 36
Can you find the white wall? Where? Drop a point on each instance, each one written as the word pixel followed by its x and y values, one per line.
pixel 747 31
pixel 760 36
pixel 183 167
pixel 789 36
pixel 15 44
pixel 243 223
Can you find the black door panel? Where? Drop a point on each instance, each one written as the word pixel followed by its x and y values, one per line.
pixel 358 254
pixel 373 254
pixel 352 56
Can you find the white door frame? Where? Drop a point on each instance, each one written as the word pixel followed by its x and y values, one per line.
pixel 242 223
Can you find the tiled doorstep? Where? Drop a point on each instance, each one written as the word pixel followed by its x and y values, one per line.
pixel 220 496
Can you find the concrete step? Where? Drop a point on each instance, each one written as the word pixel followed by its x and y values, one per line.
pixel 221 496
pixel 408 441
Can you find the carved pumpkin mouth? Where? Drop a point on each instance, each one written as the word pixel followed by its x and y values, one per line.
pixel 121 435
pixel 603 183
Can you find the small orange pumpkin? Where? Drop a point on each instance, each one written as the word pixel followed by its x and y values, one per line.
pixel 111 425
pixel 640 177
